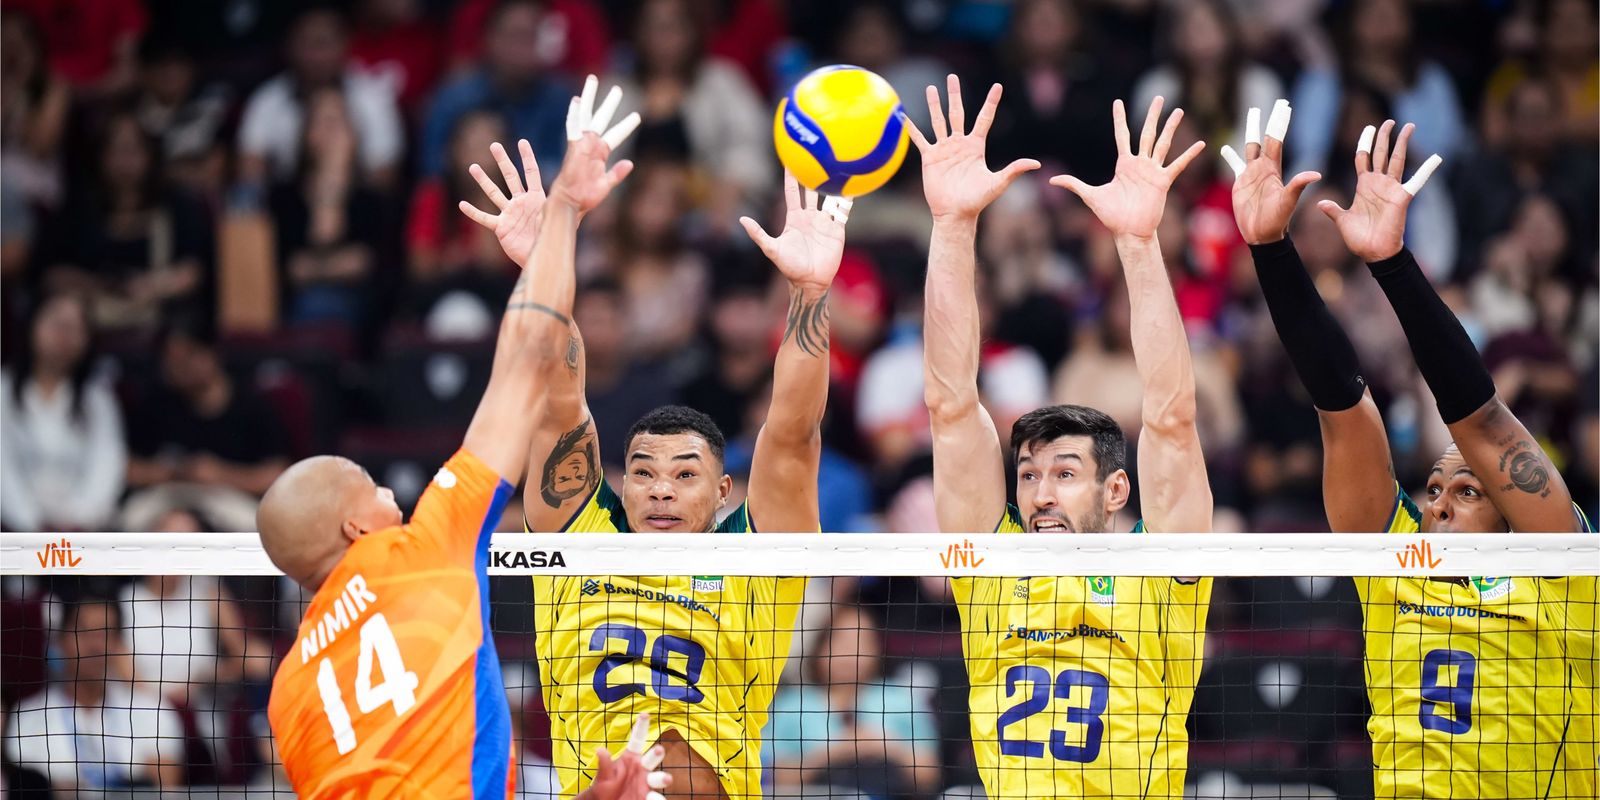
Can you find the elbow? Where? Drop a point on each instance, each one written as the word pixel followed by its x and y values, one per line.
pixel 946 405
pixel 1170 415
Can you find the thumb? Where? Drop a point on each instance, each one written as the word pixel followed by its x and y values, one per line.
pixel 759 236
pixel 1332 209
pixel 1299 183
pixel 619 170
pixel 602 762
pixel 1016 169
pixel 1073 185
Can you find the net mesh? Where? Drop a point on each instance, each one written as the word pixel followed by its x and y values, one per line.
pixel 891 666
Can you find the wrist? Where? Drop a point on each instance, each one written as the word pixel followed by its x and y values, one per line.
pixel 1272 249
pixel 1134 240
pixel 956 223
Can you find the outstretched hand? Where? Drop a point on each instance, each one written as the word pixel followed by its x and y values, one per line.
pixel 808 250
pixel 517 224
pixel 955 177
pixel 1262 202
pixel 1132 203
pixel 584 181
pixel 633 775
pixel 1374 226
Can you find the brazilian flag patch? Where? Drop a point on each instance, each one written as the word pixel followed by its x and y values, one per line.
pixel 1493 588
pixel 1103 590
pixel 708 583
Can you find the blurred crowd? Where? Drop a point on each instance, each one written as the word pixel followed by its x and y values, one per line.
pixel 229 239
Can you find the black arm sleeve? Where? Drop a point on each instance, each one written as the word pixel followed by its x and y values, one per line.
pixel 1319 349
pixel 1445 355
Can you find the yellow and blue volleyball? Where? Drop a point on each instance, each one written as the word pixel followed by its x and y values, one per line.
pixel 840 131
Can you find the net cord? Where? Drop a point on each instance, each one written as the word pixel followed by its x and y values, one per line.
pixel 898 554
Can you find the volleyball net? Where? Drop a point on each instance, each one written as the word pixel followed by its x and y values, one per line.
pixel 864 665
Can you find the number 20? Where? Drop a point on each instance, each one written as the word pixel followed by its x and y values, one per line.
pixel 398 688
pixel 660 664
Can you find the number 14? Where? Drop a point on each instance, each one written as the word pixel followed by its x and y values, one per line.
pixel 398 689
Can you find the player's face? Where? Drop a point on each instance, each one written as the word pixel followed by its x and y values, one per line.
pixel 1456 502
pixel 1057 491
pixel 376 508
pixel 673 484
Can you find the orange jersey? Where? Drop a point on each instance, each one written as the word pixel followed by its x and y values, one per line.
pixel 393 687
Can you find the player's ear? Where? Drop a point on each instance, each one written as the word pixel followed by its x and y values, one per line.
pixel 351 530
pixel 1117 490
pixel 724 488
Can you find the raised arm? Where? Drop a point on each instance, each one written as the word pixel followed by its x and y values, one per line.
pixel 1514 468
pixel 968 460
pixel 1357 472
pixel 783 469
pixel 560 452
pixel 1175 495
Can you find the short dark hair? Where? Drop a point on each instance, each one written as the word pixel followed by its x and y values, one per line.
pixel 1053 422
pixel 668 420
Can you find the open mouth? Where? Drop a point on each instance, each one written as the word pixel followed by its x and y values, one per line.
pixel 662 521
pixel 1050 525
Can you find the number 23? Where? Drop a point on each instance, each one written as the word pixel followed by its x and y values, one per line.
pixel 1089 715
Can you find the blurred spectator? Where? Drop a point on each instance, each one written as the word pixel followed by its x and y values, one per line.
pixel 572 35
pixel 1517 263
pixel 664 281
pixel 749 33
pixel 688 96
pixel 890 409
pixel 200 428
pixel 447 252
pixel 1554 41
pixel 1377 48
pixel 329 226
pixel 850 724
pixel 34 101
pixel 89 729
pixel 91 43
pixel 185 115
pixel 270 132
pixel 511 81
pixel 136 248
pixel 739 350
pixel 873 35
pixel 1035 284
pixel 191 643
pixel 1054 83
pixel 394 42
pixel 619 387
pixel 1206 72
pixel 239 42
pixel 1531 157
pixel 64 457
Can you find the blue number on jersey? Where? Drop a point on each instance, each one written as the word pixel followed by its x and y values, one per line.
pixel 1458 696
pixel 660 664
pixel 1039 699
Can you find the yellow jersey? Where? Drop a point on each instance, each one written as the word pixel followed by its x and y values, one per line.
pixel 1575 616
pixel 702 654
pixel 1468 682
pixel 1081 687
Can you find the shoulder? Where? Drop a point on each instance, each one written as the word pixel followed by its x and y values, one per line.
pixel 1404 516
pixel 737 522
pixel 1010 521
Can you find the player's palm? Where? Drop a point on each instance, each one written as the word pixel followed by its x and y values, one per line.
pixel 812 243
pixel 956 180
pixel 1374 226
pixel 1133 202
pixel 517 224
pixel 585 182
pixel 1262 204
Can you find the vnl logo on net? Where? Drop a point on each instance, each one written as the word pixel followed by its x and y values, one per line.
pixel 59 555
pixel 960 556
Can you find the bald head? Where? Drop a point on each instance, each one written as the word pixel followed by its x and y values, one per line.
pixel 313 512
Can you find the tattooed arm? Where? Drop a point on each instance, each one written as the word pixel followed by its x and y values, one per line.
pixel 783 472
pixel 561 454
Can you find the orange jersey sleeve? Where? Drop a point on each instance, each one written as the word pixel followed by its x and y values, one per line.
pixel 393 686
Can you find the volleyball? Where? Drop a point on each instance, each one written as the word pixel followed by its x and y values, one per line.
pixel 840 131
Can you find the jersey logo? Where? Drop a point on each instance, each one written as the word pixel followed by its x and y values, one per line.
pixel 708 583
pixel 1021 591
pixel 1493 588
pixel 445 478
pixel 591 587
pixel 1103 590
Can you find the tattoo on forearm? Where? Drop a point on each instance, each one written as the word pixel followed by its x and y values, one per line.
pixel 540 307
pixel 1525 465
pixel 572 354
pixel 808 323
pixel 572 468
